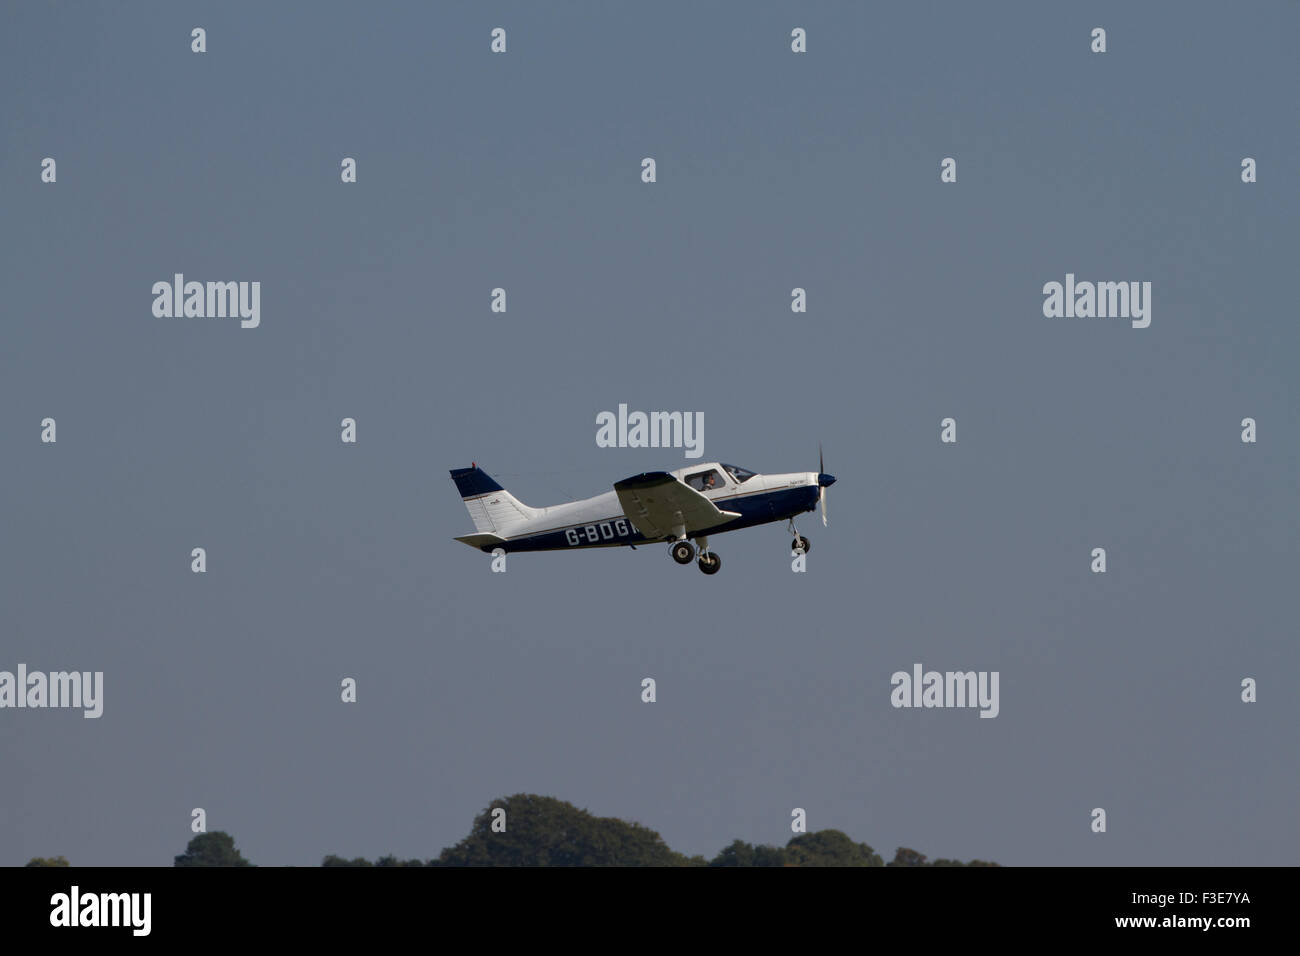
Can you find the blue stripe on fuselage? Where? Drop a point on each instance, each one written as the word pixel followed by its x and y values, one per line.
pixel 759 508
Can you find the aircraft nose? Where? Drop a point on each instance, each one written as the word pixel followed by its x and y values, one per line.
pixel 825 480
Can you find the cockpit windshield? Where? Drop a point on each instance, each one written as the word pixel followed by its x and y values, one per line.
pixel 741 475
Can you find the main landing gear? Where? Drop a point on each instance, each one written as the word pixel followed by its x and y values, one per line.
pixel 683 552
pixel 800 543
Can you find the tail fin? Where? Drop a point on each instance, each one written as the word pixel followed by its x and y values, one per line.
pixel 490 505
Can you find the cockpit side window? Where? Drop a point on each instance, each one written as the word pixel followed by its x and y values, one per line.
pixel 741 475
pixel 705 480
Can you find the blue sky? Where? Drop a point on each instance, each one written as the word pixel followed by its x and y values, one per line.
pixel 775 171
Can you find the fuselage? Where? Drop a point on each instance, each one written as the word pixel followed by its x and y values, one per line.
pixel 599 522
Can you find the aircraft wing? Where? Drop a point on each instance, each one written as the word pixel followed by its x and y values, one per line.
pixel 661 506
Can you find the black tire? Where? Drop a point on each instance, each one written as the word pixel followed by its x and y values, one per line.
pixel 683 552
pixel 801 542
pixel 710 563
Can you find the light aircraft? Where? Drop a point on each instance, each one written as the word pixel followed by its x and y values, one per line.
pixel 672 506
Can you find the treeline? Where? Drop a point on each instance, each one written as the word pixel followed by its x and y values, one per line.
pixel 530 830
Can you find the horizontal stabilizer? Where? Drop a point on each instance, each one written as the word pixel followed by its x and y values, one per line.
pixel 482 541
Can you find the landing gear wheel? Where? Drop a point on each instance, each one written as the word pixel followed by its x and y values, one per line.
pixel 683 552
pixel 800 543
pixel 710 562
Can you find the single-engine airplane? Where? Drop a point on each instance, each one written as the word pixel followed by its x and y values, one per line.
pixel 695 502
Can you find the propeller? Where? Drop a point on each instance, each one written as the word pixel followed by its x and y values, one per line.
pixel 825 481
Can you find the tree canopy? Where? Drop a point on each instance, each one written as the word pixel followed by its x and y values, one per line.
pixel 530 830
pixel 212 849
pixel 544 831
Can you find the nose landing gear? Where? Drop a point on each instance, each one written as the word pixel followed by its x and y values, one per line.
pixel 800 543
